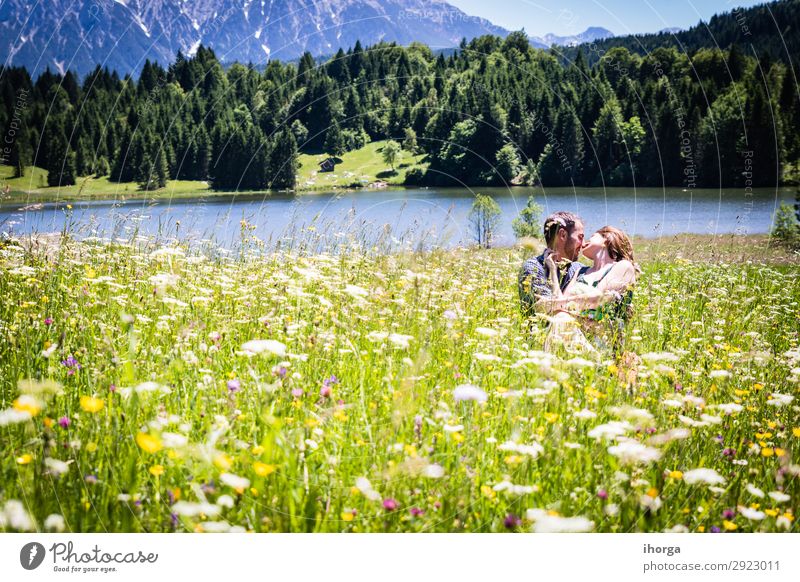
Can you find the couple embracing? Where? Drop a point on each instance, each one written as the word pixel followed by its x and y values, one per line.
pixel 587 306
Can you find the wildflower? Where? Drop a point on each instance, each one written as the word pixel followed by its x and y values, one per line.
pixel 610 430
pixel 779 399
pixel 272 347
pixel 365 487
pixel 234 385
pixel 416 512
pixel 14 516
pixel 24 459
pixel 728 514
pixel 390 504
pixel 512 521
pixel 779 496
pixel 602 494
pixel 149 444
pixel 263 469
pixel 13 416
pixel 27 403
pixel 753 490
pixel 702 475
pixel 678 475
pixel 469 392
pixel 56 467
pixel 64 422
pixel 157 470
pixel 433 471
pixel 533 450
pixel 547 523
pixel 188 509
pixel 91 404
pixel 631 452
pixel 54 522
pixel 729 525
pixel 234 481
pixel 751 514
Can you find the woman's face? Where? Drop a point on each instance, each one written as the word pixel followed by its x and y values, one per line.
pixel 593 246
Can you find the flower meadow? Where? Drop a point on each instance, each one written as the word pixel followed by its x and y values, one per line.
pixel 151 387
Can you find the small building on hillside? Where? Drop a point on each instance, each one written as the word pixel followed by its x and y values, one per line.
pixel 327 165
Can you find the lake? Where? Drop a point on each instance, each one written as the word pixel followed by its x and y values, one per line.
pixel 415 217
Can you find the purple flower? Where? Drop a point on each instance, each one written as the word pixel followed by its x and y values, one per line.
pixel 90 479
pixel 64 421
pixel 281 371
pixel 325 391
pixel 728 452
pixel 72 364
pixel 331 380
pixel 416 511
pixel 390 504
pixel 512 521
pixel 48 321
pixel 112 388
pixel 678 387
pixel 234 385
pixel 297 392
pixel 715 529
pixel 728 514
pixel 602 494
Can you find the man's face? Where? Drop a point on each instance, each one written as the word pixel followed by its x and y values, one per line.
pixel 570 242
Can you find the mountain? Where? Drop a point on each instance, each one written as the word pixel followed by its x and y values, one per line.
pixel 121 34
pixel 591 34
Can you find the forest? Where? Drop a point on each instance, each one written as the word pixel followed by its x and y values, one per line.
pixel 495 112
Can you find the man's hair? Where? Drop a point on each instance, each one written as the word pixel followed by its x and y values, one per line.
pixel 556 221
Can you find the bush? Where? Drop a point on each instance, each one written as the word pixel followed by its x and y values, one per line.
pixel 786 228
pixel 529 221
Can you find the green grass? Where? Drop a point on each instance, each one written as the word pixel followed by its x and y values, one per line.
pixel 361 166
pixel 149 410
pixel 33 188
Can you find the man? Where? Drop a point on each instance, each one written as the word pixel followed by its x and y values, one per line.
pixel 563 234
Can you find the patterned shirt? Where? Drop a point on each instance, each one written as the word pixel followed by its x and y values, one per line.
pixel 533 281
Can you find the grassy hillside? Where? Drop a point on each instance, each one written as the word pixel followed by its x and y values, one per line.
pixel 361 166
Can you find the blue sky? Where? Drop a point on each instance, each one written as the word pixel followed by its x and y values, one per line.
pixel 566 17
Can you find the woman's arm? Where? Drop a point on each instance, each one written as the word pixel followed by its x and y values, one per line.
pixel 619 279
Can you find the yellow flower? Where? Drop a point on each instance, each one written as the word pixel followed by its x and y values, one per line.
pixel 796 431
pixel 652 492
pixel 488 492
pixel 257 450
pixel 24 459
pixel 48 422
pixel 513 460
pixel 263 469
pixel 91 447
pixel 729 525
pixel 676 474
pixel 457 437
pixel 701 528
pixel 767 452
pixel 27 403
pixel 347 516
pixel 223 462
pixel 91 404
pixel 771 512
pixel 410 450
pixel 779 452
pixel 157 470
pixel 148 444
pixel 550 417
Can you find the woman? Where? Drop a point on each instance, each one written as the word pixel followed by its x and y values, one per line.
pixel 597 300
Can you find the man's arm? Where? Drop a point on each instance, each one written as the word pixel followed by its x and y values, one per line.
pixel 532 284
